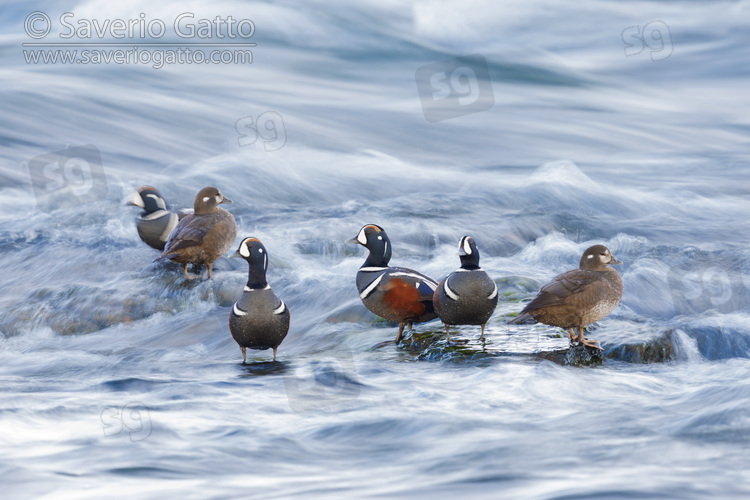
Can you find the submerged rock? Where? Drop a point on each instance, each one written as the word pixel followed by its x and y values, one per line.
pixel 658 350
pixel 578 355
pixel 534 343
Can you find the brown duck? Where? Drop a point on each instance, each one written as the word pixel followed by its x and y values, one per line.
pixel 203 236
pixel 579 297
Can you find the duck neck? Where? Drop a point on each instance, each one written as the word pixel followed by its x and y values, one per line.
pixel 375 261
pixel 470 262
pixel 256 277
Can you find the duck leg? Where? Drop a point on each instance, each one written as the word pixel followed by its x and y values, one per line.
pixel 448 333
pixel 591 343
pixel 188 275
pixel 400 332
pixel 481 338
pixel 274 353
pixel 244 358
pixel 209 270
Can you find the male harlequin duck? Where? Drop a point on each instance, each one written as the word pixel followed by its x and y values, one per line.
pixel 259 320
pixel 203 236
pixel 394 293
pixel 468 296
pixel 156 221
pixel 579 297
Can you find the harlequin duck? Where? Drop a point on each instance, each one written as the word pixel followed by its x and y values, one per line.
pixel 259 320
pixel 156 221
pixel 579 297
pixel 468 296
pixel 203 236
pixel 394 293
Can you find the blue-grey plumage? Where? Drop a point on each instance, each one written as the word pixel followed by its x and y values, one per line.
pixel 468 296
pixel 259 320
pixel 395 293
pixel 156 221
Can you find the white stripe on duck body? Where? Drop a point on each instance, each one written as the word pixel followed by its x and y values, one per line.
pixel 468 296
pixel 156 221
pixel 259 320
pixel 397 294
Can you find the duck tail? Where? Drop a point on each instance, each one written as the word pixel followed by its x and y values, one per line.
pixel 523 319
pixel 164 256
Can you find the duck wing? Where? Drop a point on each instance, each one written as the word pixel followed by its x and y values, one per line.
pixel 576 285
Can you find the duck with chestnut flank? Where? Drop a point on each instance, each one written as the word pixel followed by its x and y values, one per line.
pixel 468 296
pixel 395 293
pixel 156 221
pixel 578 297
pixel 203 236
pixel 259 320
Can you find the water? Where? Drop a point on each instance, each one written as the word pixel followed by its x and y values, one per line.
pixel 121 379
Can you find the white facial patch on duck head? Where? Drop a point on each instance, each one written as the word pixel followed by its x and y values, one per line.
pixel 362 237
pixel 137 200
pixel 244 250
pixel 467 246
pixel 206 198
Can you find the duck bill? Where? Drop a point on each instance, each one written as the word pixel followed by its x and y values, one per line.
pixel 614 261
pixel 353 241
pixel 225 200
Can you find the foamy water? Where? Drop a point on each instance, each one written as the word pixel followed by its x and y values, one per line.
pixel 121 379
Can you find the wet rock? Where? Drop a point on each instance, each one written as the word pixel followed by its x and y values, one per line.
pixel 658 350
pixel 577 355
pixel 538 342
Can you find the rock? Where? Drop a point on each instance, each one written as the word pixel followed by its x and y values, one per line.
pixel 540 342
pixel 658 350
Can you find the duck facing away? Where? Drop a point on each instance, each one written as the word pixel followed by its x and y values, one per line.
pixel 156 221
pixel 203 236
pixel 259 320
pixel 578 297
pixel 395 293
pixel 468 296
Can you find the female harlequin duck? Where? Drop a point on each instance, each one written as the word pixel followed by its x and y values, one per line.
pixel 259 320
pixel 468 296
pixel 394 293
pixel 579 297
pixel 156 221
pixel 203 236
